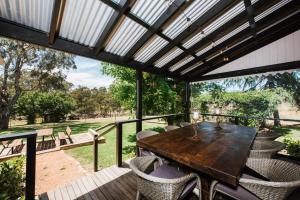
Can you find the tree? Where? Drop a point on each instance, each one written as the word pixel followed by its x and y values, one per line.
pixel 52 106
pixel 40 62
pixel 160 95
pixel 288 81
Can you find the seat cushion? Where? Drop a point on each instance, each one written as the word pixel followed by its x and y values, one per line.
pixel 170 172
pixel 144 152
pixel 238 192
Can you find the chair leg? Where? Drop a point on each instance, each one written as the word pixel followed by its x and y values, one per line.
pixel 138 196
pixel 212 191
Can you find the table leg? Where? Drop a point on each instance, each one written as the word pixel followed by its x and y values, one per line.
pixel 206 183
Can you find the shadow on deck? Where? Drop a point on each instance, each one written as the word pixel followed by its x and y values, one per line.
pixel 111 183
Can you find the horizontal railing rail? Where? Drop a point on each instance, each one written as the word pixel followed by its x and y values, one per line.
pixel 250 117
pixel 30 160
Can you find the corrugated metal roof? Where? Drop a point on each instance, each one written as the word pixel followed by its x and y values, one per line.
pixel 194 11
pixel 232 33
pixel 150 10
pixel 150 49
pixel 202 51
pixel 191 68
pixel 126 36
pixel 84 20
pixel 168 57
pixel 271 9
pixel 32 13
pixel 234 11
pixel 181 63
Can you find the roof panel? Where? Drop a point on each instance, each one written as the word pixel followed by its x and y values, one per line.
pixel 126 36
pixel 33 13
pixel 271 9
pixel 234 11
pixel 193 12
pixel 84 21
pixel 150 49
pixel 149 10
pixel 232 33
pixel 168 57
pixel 191 68
pixel 181 63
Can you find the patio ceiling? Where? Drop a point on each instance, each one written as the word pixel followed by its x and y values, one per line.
pixel 181 39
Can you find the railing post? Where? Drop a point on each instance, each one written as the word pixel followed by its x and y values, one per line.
pixel 187 102
pixel 95 153
pixel 30 167
pixel 119 144
pixel 236 120
pixel 139 91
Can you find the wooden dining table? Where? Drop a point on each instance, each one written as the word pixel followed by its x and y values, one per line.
pixel 215 154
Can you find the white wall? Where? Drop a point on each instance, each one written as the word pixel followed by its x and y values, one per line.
pixel 286 49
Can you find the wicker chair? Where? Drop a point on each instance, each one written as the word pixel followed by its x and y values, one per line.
pixel 144 134
pixel 171 127
pixel 284 178
pixel 183 124
pixel 164 182
pixel 267 134
pixel 265 148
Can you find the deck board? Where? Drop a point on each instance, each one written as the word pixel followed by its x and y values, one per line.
pixel 111 183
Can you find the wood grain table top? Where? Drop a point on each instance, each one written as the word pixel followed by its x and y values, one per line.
pixel 220 154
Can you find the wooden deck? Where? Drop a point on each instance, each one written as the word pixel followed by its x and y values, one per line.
pixel 111 183
pixel 107 184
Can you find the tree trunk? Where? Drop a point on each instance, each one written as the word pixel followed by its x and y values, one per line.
pixel 276 118
pixel 4 120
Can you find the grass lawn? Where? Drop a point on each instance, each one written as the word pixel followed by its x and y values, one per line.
pixel 289 131
pixel 107 151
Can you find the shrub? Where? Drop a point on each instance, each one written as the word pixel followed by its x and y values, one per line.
pixel 292 146
pixel 130 149
pixel 12 178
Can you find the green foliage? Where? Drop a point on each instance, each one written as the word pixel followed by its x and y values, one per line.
pixel 257 103
pixel 52 106
pixel 159 95
pixel 292 146
pixel 12 179
pixel 94 101
pixel 130 149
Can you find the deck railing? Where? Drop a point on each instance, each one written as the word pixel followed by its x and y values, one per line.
pixel 30 160
pixel 237 118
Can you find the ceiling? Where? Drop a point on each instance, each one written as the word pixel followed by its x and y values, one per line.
pixel 181 39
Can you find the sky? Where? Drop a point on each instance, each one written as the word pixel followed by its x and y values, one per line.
pixel 88 74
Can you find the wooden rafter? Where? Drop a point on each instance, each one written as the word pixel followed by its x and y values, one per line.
pixel 263 23
pixel 112 26
pixel 57 15
pixel 268 36
pixel 212 14
pixel 250 13
pixel 229 26
pixel 174 9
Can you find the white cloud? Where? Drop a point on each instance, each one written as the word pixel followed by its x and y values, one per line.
pixel 89 79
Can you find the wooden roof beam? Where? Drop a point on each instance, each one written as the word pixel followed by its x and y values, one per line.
pixel 229 26
pixel 176 8
pixel 267 21
pixel 250 14
pixel 255 70
pixel 57 15
pixel 114 23
pixel 213 13
pixel 272 34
